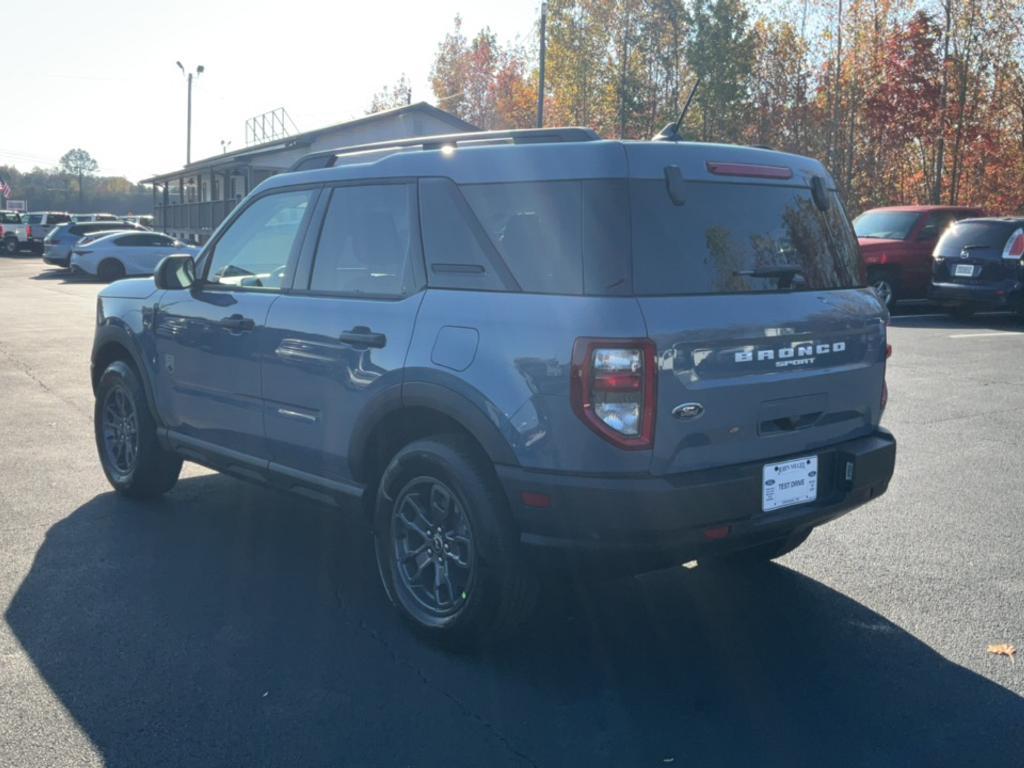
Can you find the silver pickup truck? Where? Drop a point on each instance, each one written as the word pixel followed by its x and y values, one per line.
pixel 14 232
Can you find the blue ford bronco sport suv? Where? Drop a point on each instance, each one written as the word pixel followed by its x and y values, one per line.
pixel 516 342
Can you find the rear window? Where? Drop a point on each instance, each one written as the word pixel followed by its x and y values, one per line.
pixel 9 217
pixel 729 238
pixel 35 218
pixel 885 225
pixel 975 236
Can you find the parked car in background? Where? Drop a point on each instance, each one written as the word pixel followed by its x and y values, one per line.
pixel 979 264
pixel 145 220
pixel 14 232
pixel 897 243
pixel 58 244
pixel 87 217
pixel 42 222
pixel 111 256
pixel 529 346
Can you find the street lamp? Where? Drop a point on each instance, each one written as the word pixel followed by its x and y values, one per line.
pixel 188 76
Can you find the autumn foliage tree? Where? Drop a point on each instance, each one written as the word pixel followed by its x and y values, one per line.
pixel 906 101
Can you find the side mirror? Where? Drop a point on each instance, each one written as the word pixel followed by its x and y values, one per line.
pixel 175 273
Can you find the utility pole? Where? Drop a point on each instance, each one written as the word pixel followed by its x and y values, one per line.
pixel 189 76
pixel 543 56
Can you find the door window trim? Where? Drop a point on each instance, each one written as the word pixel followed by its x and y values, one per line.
pixel 293 258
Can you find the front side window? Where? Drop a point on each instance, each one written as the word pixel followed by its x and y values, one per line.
pixel 257 248
pixel 367 242
pixel 132 241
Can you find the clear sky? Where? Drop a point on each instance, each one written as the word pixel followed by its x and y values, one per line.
pixel 101 75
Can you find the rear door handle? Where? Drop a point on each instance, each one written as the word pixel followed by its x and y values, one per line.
pixel 361 336
pixel 238 323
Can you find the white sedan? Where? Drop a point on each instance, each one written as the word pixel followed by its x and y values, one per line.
pixel 113 255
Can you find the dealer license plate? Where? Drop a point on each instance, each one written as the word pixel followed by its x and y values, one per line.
pixel 964 270
pixel 791 482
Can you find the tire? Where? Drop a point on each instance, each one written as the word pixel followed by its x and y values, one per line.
pixel 441 494
pixel 884 285
pixel 763 553
pixel 11 246
pixel 110 270
pixel 129 452
pixel 962 312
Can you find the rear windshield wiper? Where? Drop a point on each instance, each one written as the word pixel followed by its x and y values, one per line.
pixel 786 273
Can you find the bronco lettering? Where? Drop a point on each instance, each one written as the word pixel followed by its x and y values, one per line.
pixel 799 349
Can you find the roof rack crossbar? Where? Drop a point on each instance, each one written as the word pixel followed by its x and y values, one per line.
pixel 326 158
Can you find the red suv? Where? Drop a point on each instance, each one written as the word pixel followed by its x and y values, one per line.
pixel 897 244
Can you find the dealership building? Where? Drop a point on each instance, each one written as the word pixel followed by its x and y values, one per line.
pixel 189 203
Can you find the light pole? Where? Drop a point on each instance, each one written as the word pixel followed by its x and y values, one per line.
pixel 188 76
pixel 543 55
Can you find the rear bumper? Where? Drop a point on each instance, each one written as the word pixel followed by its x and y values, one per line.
pixel 57 259
pixel 666 518
pixel 1008 294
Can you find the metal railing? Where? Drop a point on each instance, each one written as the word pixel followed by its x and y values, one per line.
pixel 194 217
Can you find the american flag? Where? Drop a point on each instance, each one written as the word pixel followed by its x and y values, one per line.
pixel 5 188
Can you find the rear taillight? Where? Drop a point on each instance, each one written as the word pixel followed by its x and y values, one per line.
pixel 1014 246
pixel 1 230
pixel 28 232
pixel 614 389
pixel 885 387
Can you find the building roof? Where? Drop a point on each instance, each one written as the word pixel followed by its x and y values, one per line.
pixel 241 156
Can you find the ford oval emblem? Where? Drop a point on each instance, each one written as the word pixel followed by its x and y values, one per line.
pixel 688 411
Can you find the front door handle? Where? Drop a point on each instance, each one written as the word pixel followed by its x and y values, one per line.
pixel 238 323
pixel 361 336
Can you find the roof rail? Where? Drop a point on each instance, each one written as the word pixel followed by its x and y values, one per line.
pixel 326 158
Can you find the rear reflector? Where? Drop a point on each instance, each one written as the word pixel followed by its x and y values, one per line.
pixel 716 534
pixel 536 500
pixel 754 171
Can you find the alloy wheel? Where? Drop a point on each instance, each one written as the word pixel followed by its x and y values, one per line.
pixel 433 550
pixel 120 431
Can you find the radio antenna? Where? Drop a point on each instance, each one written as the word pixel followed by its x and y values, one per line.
pixel 672 131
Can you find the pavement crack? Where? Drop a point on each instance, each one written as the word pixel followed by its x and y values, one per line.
pixel 26 369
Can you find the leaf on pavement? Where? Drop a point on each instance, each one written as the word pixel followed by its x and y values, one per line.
pixel 1003 649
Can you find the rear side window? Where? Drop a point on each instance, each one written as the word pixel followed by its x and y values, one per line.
pixel 975 238
pixel 565 237
pixel 459 254
pixel 728 238
pixel 368 241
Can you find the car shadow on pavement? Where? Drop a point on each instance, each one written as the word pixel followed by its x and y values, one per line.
pixel 232 625
pixel 64 276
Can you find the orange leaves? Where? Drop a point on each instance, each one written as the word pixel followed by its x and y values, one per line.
pixel 1003 649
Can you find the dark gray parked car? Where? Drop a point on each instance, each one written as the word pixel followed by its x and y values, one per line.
pixel 511 344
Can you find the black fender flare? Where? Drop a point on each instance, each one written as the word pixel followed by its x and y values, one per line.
pixel 436 397
pixel 108 335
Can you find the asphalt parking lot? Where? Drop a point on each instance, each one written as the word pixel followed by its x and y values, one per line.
pixel 230 625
